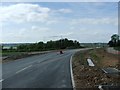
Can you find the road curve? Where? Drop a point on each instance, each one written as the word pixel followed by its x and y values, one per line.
pixel 51 70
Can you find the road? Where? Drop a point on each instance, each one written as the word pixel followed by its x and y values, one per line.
pixel 51 70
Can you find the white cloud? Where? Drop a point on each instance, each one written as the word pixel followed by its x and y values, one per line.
pixel 65 10
pixel 95 21
pixel 31 34
pixel 51 22
pixel 40 29
pixel 66 34
pixel 93 35
pixel 72 28
pixel 34 32
pixel 23 12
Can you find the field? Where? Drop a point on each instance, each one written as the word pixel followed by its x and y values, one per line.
pixel 90 77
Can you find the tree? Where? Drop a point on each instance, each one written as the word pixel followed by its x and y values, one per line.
pixel 40 46
pixel 115 38
pixel 115 41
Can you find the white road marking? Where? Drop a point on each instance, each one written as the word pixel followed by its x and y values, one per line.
pixel 1 80
pixel 71 71
pixel 24 69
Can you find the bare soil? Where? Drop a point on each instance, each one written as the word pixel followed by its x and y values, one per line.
pixel 90 77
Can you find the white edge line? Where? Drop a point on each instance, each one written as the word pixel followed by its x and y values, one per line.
pixel 1 80
pixel 71 71
pixel 23 69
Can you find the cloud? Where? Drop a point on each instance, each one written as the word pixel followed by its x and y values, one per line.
pixel 66 34
pixel 33 33
pixel 61 35
pixel 95 21
pixel 60 0
pixel 23 12
pixel 32 22
pixel 39 29
pixel 93 35
pixel 65 10
pixel 53 21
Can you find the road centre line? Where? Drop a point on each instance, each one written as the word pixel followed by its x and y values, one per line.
pixel 24 69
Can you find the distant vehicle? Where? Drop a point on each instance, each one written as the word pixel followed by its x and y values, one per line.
pixel 61 52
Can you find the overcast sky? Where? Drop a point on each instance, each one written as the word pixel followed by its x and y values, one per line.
pixel 42 21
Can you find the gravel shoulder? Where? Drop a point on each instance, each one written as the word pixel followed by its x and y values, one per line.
pixel 90 77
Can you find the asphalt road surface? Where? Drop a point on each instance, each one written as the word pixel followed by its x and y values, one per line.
pixel 51 70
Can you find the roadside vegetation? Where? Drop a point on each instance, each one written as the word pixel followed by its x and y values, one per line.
pixel 50 45
pixel 90 77
pixel 117 48
pixel 115 42
pixel 25 50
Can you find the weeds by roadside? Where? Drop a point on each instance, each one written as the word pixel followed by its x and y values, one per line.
pixel 90 77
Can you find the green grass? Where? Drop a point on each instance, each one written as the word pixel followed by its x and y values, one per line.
pixel 80 57
pixel 83 59
pixel 11 53
pixel 94 56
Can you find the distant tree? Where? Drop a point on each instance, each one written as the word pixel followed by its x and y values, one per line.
pixel 11 48
pixel 23 48
pixel 40 45
pixel 50 45
pixel 1 47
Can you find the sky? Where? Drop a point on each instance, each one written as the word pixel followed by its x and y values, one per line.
pixel 60 0
pixel 86 22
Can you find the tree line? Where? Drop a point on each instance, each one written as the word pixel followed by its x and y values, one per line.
pixel 115 41
pixel 49 45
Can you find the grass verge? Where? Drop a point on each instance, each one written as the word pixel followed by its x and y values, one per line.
pixel 11 56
